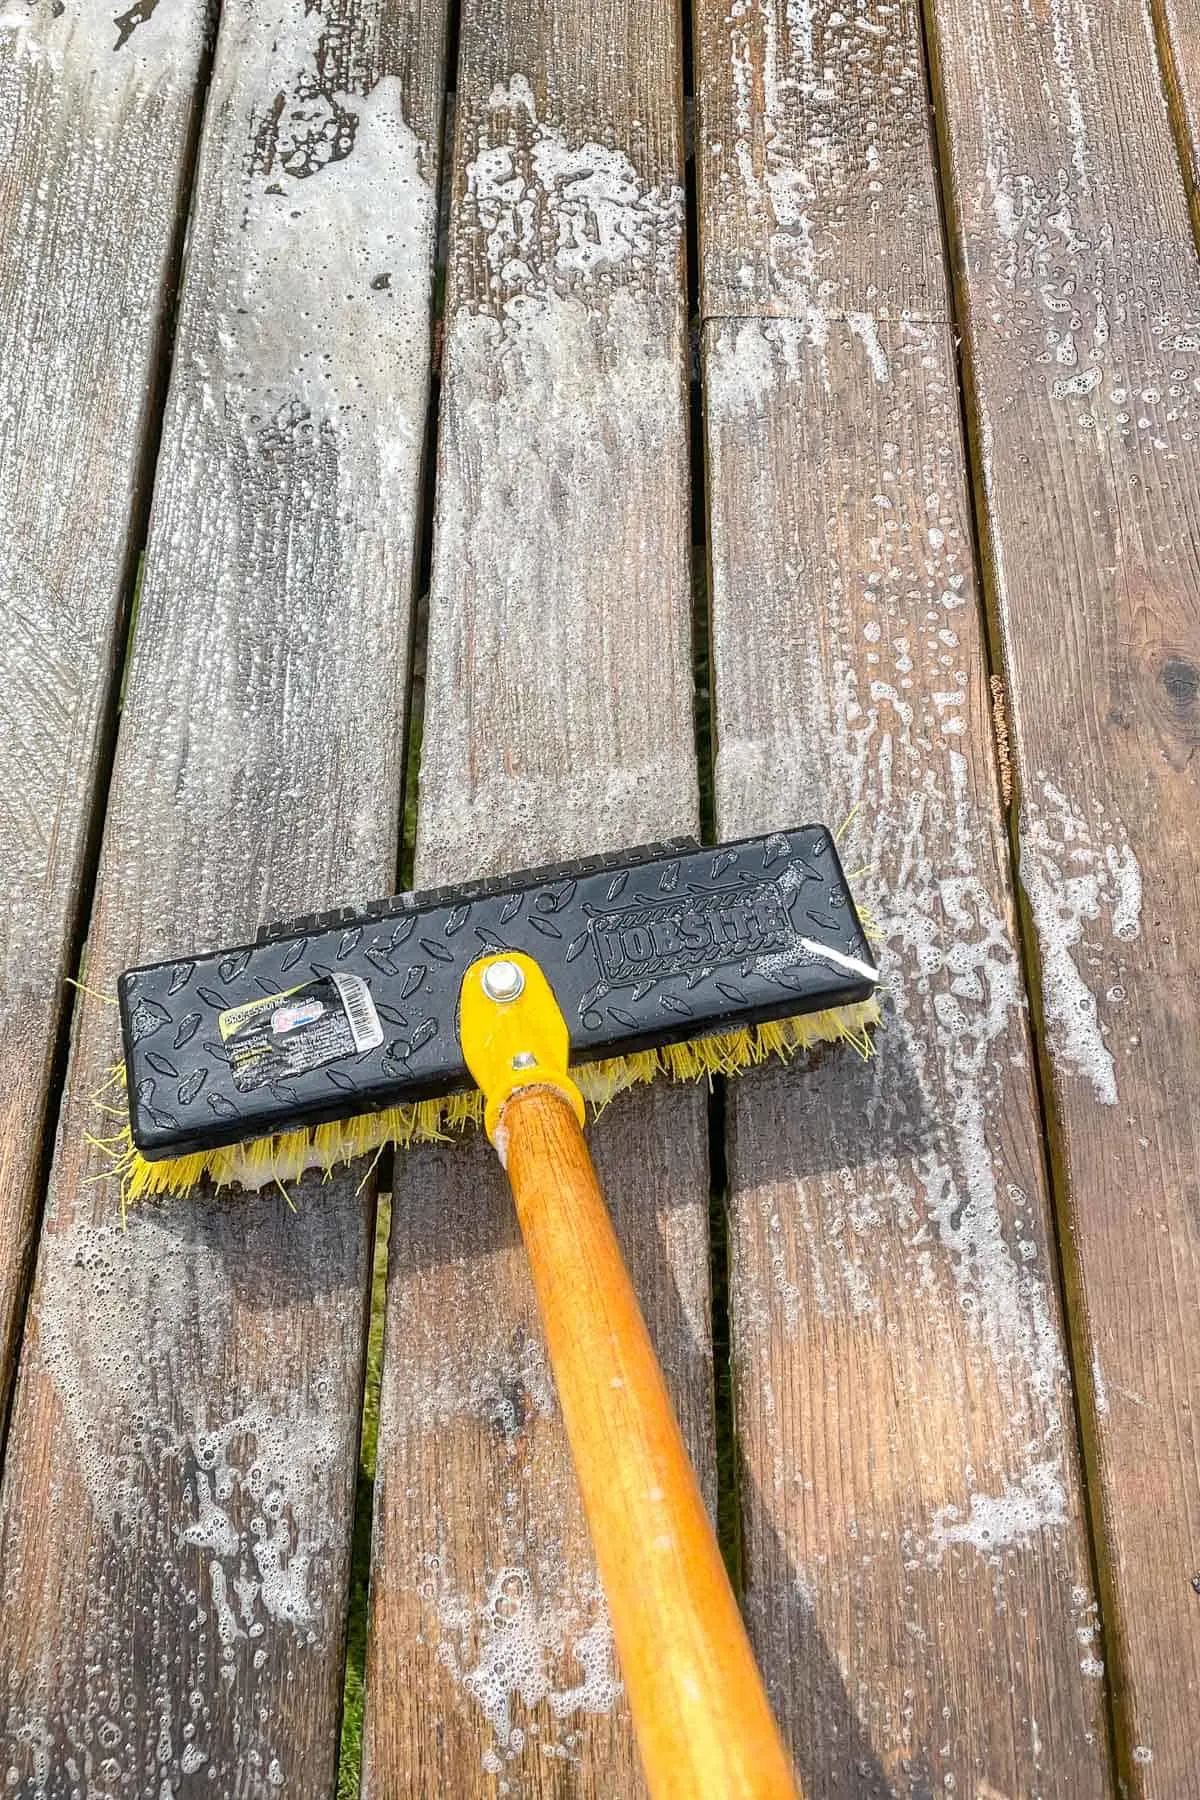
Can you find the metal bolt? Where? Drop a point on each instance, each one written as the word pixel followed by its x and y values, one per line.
pixel 524 1060
pixel 502 981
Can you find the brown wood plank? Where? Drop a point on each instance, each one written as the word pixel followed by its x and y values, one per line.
pixel 176 1511
pixel 558 722
pixel 95 125
pixel 816 186
pixel 1179 43
pixel 1080 299
pixel 916 1558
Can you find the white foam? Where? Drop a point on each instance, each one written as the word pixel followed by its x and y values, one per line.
pixel 942 1177
pixel 212 1530
pixel 1077 875
pixel 251 1475
pixel 803 140
pixel 1099 1386
pixel 743 376
pixel 755 352
pixel 516 1648
pixel 1062 290
pixel 548 400
pixel 1126 891
pixel 864 328
pixel 83 38
pixel 327 273
pixel 553 214
pixel 1086 382
pixel 996 1522
pixel 1070 31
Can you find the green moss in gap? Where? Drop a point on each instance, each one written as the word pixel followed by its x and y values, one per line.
pixel 350 1753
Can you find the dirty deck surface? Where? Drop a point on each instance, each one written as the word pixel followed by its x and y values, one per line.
pixel 437 441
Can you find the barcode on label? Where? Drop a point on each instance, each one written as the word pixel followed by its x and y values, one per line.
pixel 365 1028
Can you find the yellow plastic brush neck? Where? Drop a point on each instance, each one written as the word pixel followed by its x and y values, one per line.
pixel 513 1034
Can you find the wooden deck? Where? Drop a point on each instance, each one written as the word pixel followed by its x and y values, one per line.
pixel 821 443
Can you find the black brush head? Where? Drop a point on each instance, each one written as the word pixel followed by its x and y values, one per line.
pixel 348 1012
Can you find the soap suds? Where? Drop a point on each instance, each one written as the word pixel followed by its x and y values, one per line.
pixel 228 1484
pixel 875 683
pixel 744 375
pixel 865 329
pixel 85 39
pixel 323 324
pixel 809 161
pixel 1078 875
pixel 995 1522
pixel 514 1648
pixel 1070 34
pixel 554 216
pixel 562 372
pixel 1099 1386
pixel 247 1477
pixel 1058 291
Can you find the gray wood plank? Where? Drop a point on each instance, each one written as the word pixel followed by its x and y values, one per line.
pixel 95 127
pixel 558 722
pixel 177 1506
pixel 1079 295
pixel 916 1556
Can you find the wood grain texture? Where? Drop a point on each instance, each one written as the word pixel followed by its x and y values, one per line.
pixel 916 1556
pixel 1179 49
pixel 95 123
pixel 558 722
pixel 1080 296
pixel 815 184
pixel 917 1576
pixel 176 1512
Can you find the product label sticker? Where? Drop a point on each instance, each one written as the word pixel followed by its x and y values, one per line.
pixel 303 1028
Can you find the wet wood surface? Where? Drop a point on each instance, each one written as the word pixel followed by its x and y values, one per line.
pixel 975 656
pixel 910 1487
pixel 96 122
pixel 179 1481
pixel 1080 294
pixel 558 721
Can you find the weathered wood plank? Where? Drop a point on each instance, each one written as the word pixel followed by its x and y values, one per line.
pixel 95 125
pixel 176 1512
pixel 816 187
pixel 558 722
pixel 1179 49
pixel 1080 298
pixel 916 1556
pixel 917 1573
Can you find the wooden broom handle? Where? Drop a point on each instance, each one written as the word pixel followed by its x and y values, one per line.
pixel 703 1723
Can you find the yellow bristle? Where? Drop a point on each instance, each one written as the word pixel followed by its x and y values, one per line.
pixel 463 1110
pixel 275 1161
pixel 601 1082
